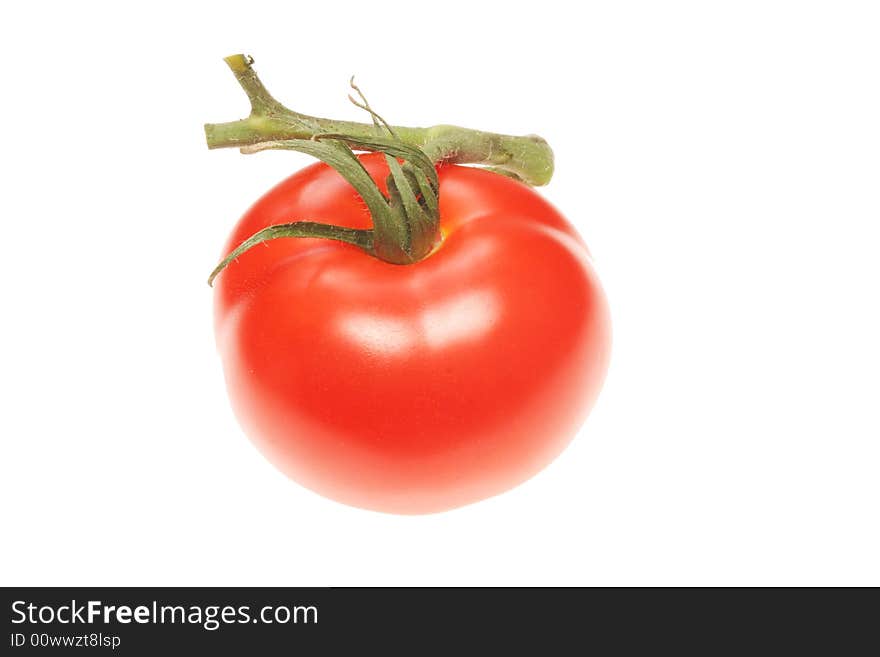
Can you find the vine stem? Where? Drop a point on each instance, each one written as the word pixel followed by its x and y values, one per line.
pixel 528 158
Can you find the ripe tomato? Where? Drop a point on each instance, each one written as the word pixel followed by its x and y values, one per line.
pixel 412 388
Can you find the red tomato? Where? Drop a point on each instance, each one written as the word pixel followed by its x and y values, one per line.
pixel 412 388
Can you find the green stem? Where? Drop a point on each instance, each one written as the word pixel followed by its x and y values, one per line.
pixel 527 158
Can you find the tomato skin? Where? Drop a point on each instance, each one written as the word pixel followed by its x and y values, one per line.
pixel 412 388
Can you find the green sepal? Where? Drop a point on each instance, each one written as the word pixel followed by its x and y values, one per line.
pixel 357 236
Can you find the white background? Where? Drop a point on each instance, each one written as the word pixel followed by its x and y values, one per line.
pixel 721 159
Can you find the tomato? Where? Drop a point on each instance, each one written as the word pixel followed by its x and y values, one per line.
pixel 412 388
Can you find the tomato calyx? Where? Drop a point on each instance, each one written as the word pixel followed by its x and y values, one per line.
pixel 406 221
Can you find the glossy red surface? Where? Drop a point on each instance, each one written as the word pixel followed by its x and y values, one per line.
pixel 417 388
